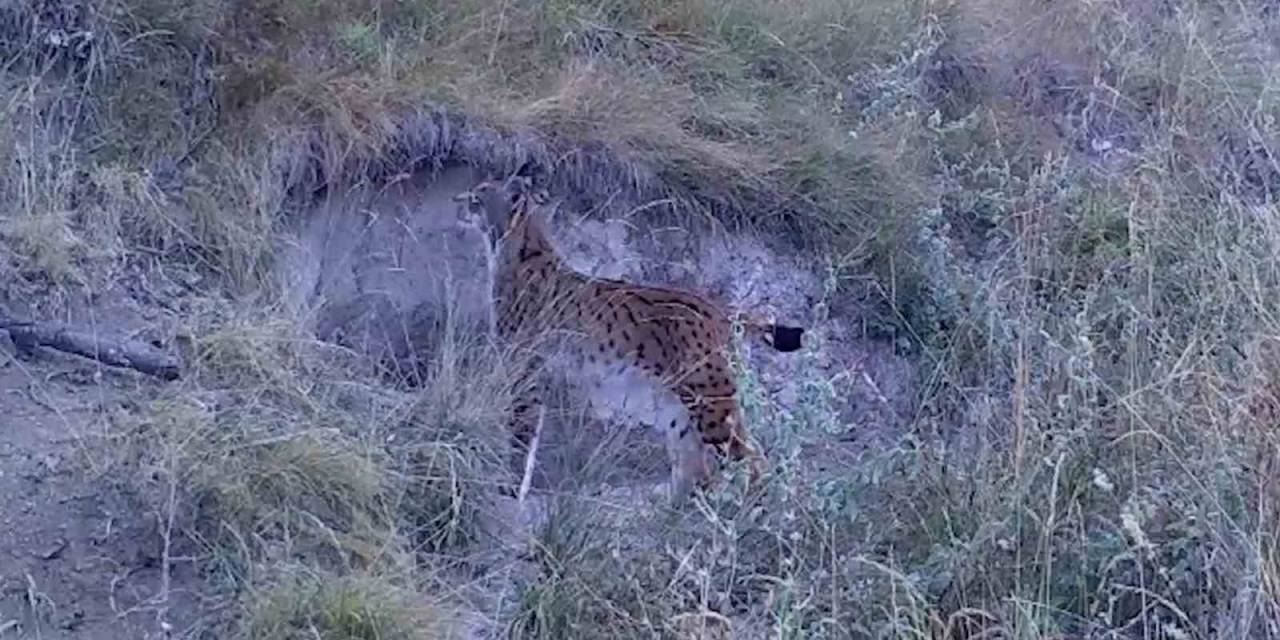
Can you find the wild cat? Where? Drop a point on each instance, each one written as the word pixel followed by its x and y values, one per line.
pixel 677 339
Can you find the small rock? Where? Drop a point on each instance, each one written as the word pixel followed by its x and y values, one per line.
pixel 54 550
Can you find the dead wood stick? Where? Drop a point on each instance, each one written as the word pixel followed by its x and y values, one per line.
pixel 132 354
pixel 530 458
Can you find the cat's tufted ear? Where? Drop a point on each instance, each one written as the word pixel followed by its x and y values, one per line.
pixel 487 207
pixel 535 174
pixel 517 187
pixel 528 169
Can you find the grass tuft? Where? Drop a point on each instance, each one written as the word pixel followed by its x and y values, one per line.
pixel 306 605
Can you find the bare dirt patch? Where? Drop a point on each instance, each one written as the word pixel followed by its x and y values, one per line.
pixel 81 555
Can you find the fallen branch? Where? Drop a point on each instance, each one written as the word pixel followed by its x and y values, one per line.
pixel 132 354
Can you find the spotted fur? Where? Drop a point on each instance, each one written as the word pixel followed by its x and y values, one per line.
pixel 679 339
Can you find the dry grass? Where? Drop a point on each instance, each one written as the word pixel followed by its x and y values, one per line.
pixel 320 606
pixel 1067 214
pixel 315 494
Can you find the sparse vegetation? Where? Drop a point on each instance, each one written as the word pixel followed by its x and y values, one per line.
pixel 1065 213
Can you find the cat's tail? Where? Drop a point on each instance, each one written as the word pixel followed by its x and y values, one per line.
pixel 781 337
